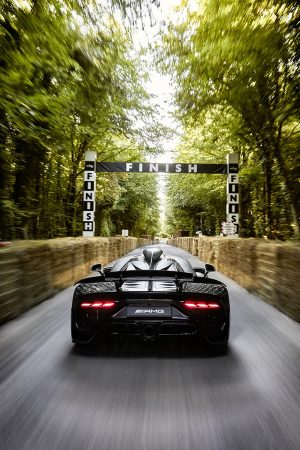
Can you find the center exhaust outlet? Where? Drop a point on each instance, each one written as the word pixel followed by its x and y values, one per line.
pixel 148 333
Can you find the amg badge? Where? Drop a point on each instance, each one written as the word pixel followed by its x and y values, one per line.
pixel 149 311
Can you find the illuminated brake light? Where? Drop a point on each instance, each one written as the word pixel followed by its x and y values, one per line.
pixel 108 304
pixel 97 304
pixel 85 305
pixel 190 305
pixel 201 305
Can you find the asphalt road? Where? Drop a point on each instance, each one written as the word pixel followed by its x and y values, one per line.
pixel 170 395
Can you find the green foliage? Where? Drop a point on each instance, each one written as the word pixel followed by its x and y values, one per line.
pixel 197 202
pixel 243 58
pixel 69 82
pixel 137 209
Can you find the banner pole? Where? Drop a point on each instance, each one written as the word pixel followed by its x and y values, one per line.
pixel 89 194
pixel 232 206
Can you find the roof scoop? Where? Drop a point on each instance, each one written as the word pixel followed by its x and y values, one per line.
pixel 152 255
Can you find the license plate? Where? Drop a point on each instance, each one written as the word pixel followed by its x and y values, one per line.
pixel 149 311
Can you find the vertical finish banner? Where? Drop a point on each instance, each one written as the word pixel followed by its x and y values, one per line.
pixel 232 206
pixel 89 194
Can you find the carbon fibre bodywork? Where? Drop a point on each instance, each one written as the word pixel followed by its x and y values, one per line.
pixel 151 295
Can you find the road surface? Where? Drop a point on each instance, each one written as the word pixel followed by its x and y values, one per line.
pixel 169 395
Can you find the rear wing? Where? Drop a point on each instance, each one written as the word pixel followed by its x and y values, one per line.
pixel 149 275
pixel 145 275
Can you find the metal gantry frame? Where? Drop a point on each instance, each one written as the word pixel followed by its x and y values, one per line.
pixel 231 169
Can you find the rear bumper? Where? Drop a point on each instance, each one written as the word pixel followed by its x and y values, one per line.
pixel 151 329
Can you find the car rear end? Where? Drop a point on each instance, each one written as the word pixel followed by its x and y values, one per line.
pixel 150 309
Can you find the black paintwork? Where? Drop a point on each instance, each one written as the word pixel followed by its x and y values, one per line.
pixel 151 282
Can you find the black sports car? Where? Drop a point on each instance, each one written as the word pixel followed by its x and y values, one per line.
pixel 150 295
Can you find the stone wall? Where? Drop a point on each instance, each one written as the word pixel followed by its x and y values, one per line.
pixel 270 270
pixel 31 271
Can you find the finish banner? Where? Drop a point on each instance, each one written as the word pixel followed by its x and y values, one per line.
pixel 160 167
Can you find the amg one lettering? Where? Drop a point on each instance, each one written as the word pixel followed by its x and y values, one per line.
pixel 149 311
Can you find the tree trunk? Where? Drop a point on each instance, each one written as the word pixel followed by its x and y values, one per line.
pixel 26 190
pixel 70 202
pixel 6 213
pixel 290 188
pixel 267 168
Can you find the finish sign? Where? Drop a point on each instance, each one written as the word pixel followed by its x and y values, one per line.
pixel 231 227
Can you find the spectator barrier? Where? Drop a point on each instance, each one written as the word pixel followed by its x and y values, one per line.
pixel 31 271
pixel 267 269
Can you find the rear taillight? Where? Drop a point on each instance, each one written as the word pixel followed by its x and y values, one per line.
pixel 98 304
pixel 192 304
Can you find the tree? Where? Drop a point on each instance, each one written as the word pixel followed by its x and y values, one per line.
pixel 137 209
pixel 243 56
pixel 35 64
pixel 68 83
pixel 197 202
